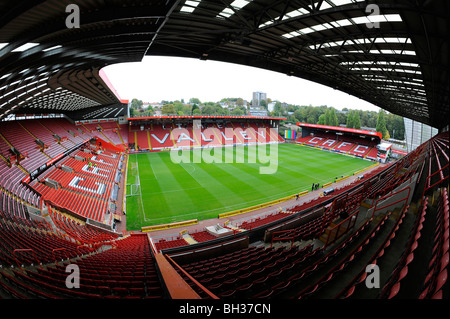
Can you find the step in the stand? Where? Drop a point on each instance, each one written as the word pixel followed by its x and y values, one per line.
pixel 188 238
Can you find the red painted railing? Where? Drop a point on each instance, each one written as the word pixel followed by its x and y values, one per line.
pixel 376 208
pixel 59 250
pixel 335 233
pixel 25 250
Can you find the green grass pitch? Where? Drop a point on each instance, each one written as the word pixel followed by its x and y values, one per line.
pixel 172 192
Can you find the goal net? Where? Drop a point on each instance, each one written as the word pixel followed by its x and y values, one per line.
pixel 133 189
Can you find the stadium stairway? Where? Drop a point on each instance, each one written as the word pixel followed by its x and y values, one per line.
pixel 235 228
pixel 388 240
pixel 189 239
pixel 355 249
pixel 391 257
pixel 419 267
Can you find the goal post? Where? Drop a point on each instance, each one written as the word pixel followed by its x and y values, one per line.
pixel 133 189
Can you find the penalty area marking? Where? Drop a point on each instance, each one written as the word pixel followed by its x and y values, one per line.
pixel 151 166
pixel 190 168
pixel 140 188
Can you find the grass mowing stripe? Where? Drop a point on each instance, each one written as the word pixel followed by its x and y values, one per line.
pixel 296 173
pixel 181 187
pixel 170 181
pixel 207 199
pixel 135 215
pixel 213 185
pixel 344 165
pixel 176 192
pixel 241 180
pixel 153 190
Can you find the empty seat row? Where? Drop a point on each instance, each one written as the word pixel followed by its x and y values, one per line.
pixel 99 280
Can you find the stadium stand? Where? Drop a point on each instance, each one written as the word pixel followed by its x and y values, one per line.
pixel 201 236
pixel 163 243
pixel 25 144
pixel 334 143
pixel 344 147
pixel 357 143
pixel 396 233
pixel 143 135
pixel 127 271
pixel 299 262
pixel 11 186
pixel 84 179
pixel 372 155
pixel 161 137
pixel 86 190
pixel 261 220
pixel 26 243
pixel 59 113
pixel 78 230
pixel 109 131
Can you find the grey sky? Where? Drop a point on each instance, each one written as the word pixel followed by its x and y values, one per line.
pixel 166 78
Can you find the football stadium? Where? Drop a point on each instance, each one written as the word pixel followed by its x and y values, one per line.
pixel 97 204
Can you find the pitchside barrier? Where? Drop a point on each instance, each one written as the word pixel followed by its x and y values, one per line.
pixel 365 169
pixel 327 184
pixel 249 209
pixel 241 211
pixel 171 225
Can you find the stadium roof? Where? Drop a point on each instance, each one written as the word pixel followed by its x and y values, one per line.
pixel 393 55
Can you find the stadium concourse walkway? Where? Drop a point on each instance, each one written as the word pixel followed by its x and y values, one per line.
pixel 284 205
pixel 121 226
